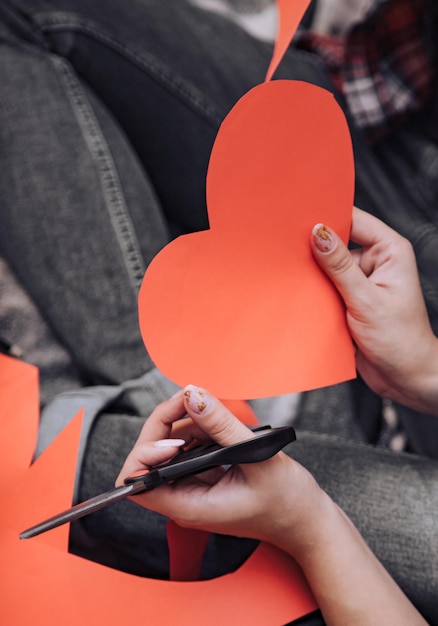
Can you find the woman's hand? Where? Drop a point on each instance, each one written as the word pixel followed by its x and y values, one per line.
pixel 397 352
pixel 276 500
pixel 273 500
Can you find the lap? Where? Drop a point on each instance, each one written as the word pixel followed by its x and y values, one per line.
pixel 157 100
pixel 391 497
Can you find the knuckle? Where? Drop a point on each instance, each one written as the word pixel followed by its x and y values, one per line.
pixel 225 429
pixel 405 247
pixel 399 245
pixel 221 428
pixel 341 263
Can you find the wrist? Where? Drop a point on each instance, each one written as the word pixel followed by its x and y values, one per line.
pixel 344 574
pixel 311 528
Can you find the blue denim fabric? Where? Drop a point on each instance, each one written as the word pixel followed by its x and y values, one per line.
pixel 81 217
pixel 107 117
pixel 68 176
pixel 162 71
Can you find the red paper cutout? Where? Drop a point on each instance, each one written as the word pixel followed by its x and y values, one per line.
pixel 19 414
pixel 186 551
pixel 243 309
pixel 42 584
pixel 290 13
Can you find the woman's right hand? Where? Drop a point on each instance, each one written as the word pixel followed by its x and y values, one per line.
pixel 276 500
pixel 397 352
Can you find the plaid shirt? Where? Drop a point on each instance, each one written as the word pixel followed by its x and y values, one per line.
pixel 384 66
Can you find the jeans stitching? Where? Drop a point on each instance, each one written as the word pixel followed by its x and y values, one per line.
pixel 58 21
pixel 113 194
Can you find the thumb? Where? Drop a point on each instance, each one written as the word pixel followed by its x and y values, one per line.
pixel 336 260
pixel 213 417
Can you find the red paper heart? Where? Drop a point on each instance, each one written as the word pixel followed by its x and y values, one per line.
pixel 242 308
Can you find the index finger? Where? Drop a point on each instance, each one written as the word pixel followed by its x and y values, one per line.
pixel 159 423
pixel 367 230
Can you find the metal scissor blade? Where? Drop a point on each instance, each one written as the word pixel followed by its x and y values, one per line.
pixel 84 508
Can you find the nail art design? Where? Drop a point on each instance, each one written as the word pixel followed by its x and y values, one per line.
pixel 197 399
pixel 323 238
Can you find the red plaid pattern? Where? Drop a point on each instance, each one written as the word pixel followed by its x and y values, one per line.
pixel 383 66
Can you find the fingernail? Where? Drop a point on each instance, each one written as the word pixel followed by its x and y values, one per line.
pixel 169 443
pixel 323 238
pixel 197 399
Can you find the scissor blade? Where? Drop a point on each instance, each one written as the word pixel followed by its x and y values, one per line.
pixel 83 508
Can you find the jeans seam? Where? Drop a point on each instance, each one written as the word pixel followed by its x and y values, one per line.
pixel 58 21
pixel 111 187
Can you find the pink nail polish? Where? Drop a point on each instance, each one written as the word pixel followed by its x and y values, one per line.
pixel 169 443
pixel 323 238
pixel 198 400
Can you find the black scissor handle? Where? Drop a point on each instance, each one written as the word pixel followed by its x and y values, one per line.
pixel 265 443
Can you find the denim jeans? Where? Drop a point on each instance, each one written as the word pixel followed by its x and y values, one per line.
pixel 109 95
pixel 107 118
pixel 392 498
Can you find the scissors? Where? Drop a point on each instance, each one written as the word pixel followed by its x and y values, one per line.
pixel 266 442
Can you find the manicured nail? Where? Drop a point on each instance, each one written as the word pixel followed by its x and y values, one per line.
pixel 169 443
pixel 323 238
pixel 197 399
